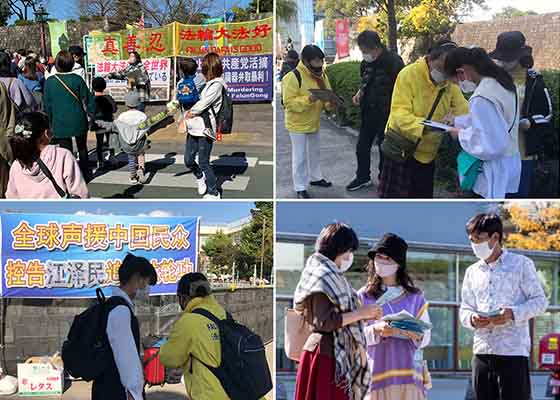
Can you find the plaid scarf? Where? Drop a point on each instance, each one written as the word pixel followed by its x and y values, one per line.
pixel 321 275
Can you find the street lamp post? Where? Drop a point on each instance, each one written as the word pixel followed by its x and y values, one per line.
pixel 41 17
pixel 257 211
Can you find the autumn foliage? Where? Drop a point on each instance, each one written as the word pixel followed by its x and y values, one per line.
pixel 536 228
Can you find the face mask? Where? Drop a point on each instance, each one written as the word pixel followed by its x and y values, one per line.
pixel 467 86
pixel 368 57
pixel 482 250
pixel 315 70
pixel 437 75
pixel 346 264
pixel 508 66
pixel 385 268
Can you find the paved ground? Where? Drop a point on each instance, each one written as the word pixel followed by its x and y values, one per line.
pixel 338 161
pixel 243 161
pixel 82 390
pixel 444 388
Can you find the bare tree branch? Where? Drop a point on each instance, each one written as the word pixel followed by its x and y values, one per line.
pixel 97 8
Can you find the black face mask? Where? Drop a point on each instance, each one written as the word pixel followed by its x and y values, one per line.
pixel 318 71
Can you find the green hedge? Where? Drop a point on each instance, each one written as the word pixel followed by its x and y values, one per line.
pixel 345 80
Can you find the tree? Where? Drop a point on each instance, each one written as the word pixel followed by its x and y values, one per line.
pixel 407 18
pixel 535 228
pixel 23 9
pixel 250 245
pixel 221 252
pixel 185 11
pixel 511 12
pixel 127 11
pixel 5 13
pixel 286 9
pixel 97 8
pixel 261 6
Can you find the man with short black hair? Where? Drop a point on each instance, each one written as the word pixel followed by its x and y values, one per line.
pixel 501 293
pixel 124 379
pixel 378 71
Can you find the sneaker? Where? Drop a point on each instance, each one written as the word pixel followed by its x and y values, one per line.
pixel 142 178
pixel 357 184
pixel 133 180
pixel 201 185
pixel 209 196
pixel 321 183
pixel 303 194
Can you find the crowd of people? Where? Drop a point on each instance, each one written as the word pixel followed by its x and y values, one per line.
pixel 354 351
pixel 501 128
pixel 47 111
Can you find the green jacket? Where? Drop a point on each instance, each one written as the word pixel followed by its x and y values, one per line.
pixel 66 114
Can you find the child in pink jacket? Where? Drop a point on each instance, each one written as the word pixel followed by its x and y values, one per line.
pixel 27 180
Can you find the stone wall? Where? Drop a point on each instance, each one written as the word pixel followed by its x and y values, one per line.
pixel 38 327
pixel 29 36
pixel 542 33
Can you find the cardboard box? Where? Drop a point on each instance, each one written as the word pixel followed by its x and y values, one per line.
pixel 39 380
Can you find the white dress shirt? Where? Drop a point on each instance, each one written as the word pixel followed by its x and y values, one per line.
pixel 124 347
pixel 484 134
pixel 511 282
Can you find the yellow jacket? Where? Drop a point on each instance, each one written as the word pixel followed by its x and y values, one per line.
pixel 413 97
pixel 195 338
pixel 301 115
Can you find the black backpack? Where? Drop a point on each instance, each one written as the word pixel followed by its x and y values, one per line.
pixel 86 353
pixel 224 117
pixel 244 372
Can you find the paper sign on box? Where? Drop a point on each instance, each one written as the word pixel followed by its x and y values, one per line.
pixel 39 380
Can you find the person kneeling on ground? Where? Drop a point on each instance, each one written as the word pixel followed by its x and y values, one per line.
pixel 194 341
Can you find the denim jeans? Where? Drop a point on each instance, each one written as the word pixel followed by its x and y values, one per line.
pixel 203 147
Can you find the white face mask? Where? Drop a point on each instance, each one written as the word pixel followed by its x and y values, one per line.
pixel 467 86
pixel 368 57
pixel 385 268
pixel 482 250
pixel 508 66
pixel 346 264
pixel 437 75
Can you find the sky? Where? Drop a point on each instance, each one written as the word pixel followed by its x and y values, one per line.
pixel 427 222
pixel 66 9
pixel 210 213
pixel 495 6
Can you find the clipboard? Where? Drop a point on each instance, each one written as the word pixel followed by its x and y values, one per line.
pixel 438 126
pixel 327 96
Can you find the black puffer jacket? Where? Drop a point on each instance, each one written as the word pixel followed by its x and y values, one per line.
pixel 537 108
pixel 378 80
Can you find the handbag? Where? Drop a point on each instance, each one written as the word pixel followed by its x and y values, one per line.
pixel 62 193
pixel 400 148
pixel 296 333
pixel 469 167
pixel 74 95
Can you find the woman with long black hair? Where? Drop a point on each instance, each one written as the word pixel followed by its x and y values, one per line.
pixel 489 133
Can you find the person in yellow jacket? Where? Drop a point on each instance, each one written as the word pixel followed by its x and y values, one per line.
pixel 195 340
pixel 303 119
pixel 415 92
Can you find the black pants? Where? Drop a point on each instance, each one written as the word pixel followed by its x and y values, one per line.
pixel 368 135
pixel 407 180
pixel 81 145
pixel 102 140
pixel 501 377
